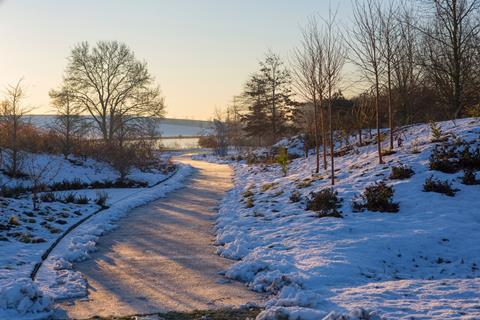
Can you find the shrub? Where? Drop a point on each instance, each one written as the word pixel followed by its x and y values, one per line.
pixel 81 200
pixel 441 159
pixel 295 196
pixel 48 197
pixel 401 172
pixel 376 197
pixel 326 202
pixel 13 192
pixel 435 185
pixel 101 199
pixel 282 160
pixel 469 177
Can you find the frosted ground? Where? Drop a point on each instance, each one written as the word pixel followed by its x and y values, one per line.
pixel 421 262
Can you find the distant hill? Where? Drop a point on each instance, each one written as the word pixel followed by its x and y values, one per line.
pixel 168 127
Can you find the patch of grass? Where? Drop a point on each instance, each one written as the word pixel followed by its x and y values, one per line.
pixel 48 197
pixel 218 314
pixel 401 172
pixel 377 197
pixel 69 198
pixel 102 198
pixel 326 203
pixel 81 199
pixel 267 186
pixel 438 186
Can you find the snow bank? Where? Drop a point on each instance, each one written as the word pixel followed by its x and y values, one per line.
pixel 420 262
pixel 22 299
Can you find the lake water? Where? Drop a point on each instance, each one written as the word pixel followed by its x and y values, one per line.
pixel 169 128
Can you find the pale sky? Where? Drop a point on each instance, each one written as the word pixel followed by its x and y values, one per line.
pixel 199 51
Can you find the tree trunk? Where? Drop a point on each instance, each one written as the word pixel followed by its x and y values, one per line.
pixel 377 118
pixel 332 143
pixel 317 147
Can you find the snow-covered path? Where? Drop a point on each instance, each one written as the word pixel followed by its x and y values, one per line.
pixel 161 257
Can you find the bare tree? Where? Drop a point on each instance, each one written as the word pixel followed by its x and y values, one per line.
pixel 406 70
pixel 365 46
pixel 111 85
pixel 388 45
pixel 12 116
pixel 334 61
pixel 68 122
pixel 309 78
pixel 39 173
pixel 450 42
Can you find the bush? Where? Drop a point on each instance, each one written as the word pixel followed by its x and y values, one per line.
pixel 295 196
pixel 326 202
pixel 469 177
pixel 282 160
pixel 401 172
pixel 441 160
pixel 376 197
pixel 101 199
pixel 48 197
pixel 13 192
pixel 438 186
pixel 450 158
pixel 249 203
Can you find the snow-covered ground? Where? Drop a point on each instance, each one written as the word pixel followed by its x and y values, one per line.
pixel 421 262
pixel 25 234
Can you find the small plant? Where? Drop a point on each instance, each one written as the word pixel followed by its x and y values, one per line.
pixel 437 134
pixel 81 200
pixel 48 197
pixel 295 196
pixel 415 148
pixel 249 203
pixel 401 172
pixel 13 221
pixel 326 202
pixel 469 177
pixel 438 186
pixel 376 197
pixel 69 198
pixel 282 160
pixel 101 199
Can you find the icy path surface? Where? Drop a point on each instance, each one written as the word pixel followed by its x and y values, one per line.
pixel 161 257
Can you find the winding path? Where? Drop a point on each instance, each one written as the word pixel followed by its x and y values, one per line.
pixel 161 257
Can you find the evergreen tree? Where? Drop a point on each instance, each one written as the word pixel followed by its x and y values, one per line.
pixel 267 96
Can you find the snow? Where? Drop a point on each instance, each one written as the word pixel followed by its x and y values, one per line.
pixel 421 262
pixel 24 239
